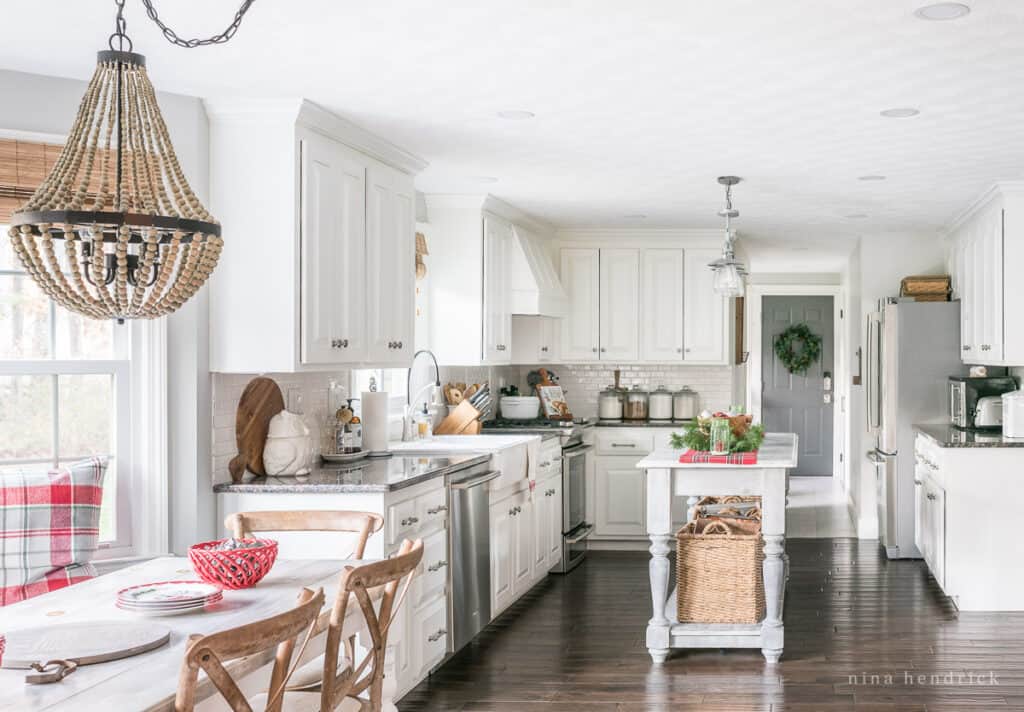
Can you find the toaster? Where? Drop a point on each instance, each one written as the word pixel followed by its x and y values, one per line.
pixel 989 412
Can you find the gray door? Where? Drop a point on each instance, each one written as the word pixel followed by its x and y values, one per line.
pixel 796 403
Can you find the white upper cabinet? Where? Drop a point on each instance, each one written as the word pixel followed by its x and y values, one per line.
pixel 661 305
pixel 390 266
pixel 318 268
pixel 987 244
pixel 333 238
pixel 535 339
pixel 620 301
pixel 497 326
pixel 581 270
pixel 704 328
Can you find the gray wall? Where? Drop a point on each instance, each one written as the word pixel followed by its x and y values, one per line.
pixel 42 104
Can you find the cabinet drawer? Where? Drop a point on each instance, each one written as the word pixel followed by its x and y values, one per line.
pixel 432 510
pixel 624 442
pixel 432 576
pixel 402 520
pixel 430 635
pixel 550 460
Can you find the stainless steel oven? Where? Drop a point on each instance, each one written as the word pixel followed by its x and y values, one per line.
pixel 575 529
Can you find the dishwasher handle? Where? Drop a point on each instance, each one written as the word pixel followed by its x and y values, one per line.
pixel 476 481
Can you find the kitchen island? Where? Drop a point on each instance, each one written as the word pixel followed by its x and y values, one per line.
pixel 667 478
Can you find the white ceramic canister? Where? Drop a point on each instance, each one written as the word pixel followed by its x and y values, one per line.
pixel 685 403
pixel 660 404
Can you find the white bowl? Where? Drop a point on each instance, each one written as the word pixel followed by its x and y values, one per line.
pixel 520 407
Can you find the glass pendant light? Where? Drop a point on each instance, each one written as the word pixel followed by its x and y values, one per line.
pixel 729 271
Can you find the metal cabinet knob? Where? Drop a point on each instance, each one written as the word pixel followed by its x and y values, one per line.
pixel 967 348
pixel 687 350
pixel 604 350
pixel 679 350
pixel 344 343
pixel 594 349
pixel 512 512
pixel 438 566
pixel 398 345
pixel 930 495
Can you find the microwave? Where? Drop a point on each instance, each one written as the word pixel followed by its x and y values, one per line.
pixel 966 392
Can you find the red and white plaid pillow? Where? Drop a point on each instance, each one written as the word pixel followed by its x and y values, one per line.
pixel 49 528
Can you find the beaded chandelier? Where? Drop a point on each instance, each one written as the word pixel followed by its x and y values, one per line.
pixel 137 242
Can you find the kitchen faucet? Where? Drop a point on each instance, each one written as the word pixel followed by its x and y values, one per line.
pixel 410 399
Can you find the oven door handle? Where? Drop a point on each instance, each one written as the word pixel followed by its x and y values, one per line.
pixel 587 531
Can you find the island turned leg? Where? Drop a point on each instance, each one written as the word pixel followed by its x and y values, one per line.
pixel 773 529
pixel 659 529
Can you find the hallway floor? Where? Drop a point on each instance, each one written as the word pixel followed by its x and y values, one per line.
pixel 817 509
pixel 859 630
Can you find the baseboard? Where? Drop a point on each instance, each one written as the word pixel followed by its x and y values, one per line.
pixel 618 545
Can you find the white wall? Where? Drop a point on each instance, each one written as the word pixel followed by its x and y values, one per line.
pixel 878 265
pixel 40 104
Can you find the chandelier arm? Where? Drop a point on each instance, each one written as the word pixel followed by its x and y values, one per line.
pixel 220 38
pixel 71 251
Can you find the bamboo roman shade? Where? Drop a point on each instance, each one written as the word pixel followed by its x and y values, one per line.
pixel 23 166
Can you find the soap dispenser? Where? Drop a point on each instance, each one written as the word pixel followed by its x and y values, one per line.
pixel 424 424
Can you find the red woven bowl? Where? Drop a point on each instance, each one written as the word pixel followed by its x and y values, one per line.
pixel 234 569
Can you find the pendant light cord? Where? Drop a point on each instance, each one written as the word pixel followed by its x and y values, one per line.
pixel 173 37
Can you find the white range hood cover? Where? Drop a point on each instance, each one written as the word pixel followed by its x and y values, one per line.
pixel 534 287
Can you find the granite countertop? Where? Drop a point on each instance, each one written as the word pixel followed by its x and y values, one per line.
pixel 946 435
pixel 642 423
pixel 367 475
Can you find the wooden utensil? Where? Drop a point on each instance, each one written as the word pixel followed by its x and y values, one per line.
pixel 459 420
pixel 78 644
pixel 261 400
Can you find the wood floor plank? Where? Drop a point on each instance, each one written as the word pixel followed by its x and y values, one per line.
pixel 860 630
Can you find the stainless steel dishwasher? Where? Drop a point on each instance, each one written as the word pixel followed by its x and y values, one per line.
pixel 469 500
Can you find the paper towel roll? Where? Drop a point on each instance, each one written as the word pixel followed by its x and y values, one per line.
pixel 375 422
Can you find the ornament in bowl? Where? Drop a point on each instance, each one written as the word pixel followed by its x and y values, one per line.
pixel 289 446
pixel 233 563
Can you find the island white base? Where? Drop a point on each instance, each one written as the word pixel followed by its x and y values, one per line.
pixel 667 478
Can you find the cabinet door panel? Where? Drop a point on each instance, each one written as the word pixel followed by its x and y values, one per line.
pixel 523 531
pixel 703 310
pixel 621 497
pixel 497 319
pixel 620 300
pixel 333 235
pixel 502 546
pixel 554 524
pixel 541 518
pixel 661 305
pixel 390 266
pixel 580 327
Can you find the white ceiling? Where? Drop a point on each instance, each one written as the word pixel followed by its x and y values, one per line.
pixel 639 105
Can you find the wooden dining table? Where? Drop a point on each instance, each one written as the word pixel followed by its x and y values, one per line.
pixel 149 681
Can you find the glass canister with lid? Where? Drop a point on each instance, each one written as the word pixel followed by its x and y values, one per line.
pixel 637 402
pixel 660 404
pixel 685 404
pixel 609 403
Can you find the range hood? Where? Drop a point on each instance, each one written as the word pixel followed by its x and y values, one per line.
pixel 534 287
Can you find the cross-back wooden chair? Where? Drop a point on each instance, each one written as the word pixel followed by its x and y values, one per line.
pixel 343 679
pixel 363 524
pixel 210 653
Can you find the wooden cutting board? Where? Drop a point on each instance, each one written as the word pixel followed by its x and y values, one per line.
pixel 84 643
pixel 261 400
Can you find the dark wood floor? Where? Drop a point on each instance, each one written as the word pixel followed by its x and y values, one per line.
pixel 576 643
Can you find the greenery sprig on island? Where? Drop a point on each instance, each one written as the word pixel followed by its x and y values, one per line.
pixel 697 436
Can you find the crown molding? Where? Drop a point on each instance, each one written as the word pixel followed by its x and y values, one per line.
pixel 1003 188
pixel 315 117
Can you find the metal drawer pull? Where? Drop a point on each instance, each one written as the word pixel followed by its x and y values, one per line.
pixel 512 512
pixel 438 566
pixel 918 482
pixel 930 496
pixel 438 509
pixel 623 444
pixel 410 521
pixel 434 637
pixel 546 463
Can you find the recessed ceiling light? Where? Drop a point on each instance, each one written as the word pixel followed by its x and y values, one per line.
pixel 516 114
pixel 870 177
pixel 942 11
pixel 799 249
pixel 856 216
pixel 484 179
pixel 635 216
pixel 900 113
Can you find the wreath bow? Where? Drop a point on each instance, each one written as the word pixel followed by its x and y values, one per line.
pixel 810 348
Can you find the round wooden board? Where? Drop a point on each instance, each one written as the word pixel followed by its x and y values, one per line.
pixel 261 400
pixel 85 643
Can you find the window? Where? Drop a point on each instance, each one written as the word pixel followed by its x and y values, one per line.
pixel 65 391
pixel 389 380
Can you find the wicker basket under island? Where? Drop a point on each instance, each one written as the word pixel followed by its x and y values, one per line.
pixel 718 570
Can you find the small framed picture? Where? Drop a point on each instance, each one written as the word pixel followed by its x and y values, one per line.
pixel 553 400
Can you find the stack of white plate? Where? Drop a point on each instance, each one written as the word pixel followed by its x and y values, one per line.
pixel 168 598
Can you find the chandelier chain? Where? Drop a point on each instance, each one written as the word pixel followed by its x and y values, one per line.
pixel 120 29
pixel 173 37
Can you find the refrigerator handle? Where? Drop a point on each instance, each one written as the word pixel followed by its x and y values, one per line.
pixel 871 374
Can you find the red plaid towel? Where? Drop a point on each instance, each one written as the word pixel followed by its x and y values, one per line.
pixel 703 457
pixel 49 528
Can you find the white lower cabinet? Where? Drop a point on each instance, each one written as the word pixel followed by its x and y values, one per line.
pixel 547 526
pixel 502 554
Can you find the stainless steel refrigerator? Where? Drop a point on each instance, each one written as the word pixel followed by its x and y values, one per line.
pixel 913 348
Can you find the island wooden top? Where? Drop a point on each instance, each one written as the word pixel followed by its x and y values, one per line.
pixel 779 450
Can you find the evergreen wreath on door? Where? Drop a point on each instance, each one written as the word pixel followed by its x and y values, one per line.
pixel 797 348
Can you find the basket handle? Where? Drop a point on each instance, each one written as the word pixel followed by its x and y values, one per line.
pixel 717 524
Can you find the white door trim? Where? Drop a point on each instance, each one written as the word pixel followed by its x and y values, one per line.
pixel 753 306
